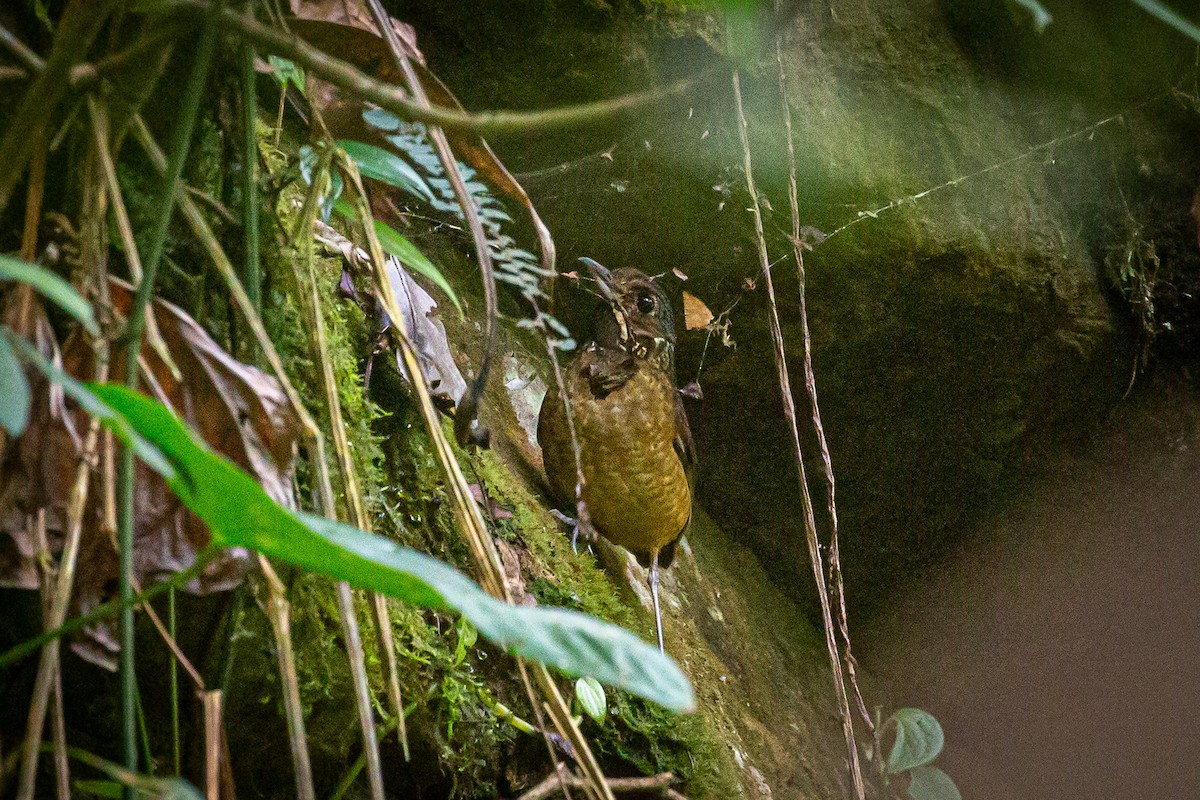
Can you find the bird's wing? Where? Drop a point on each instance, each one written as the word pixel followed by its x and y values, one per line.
pixel 685 448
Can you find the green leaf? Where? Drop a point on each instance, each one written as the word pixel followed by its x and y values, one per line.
pixel 396 245
pixel 109 789
pixel 286 72
pixel 592 700
pixel 1164 14
pixel 919 739
pixel 1041 17
pixel 239 513
pixel 930 783
pixel 52 287
pixel 14 392
pixel 382 165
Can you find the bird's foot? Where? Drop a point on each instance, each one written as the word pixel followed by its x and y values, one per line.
pixel 580 529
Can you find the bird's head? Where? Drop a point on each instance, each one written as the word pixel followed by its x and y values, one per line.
pixel 636 315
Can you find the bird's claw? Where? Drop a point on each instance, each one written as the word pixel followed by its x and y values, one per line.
pixel 579 529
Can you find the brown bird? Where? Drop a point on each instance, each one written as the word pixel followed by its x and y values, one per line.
pixel 636 451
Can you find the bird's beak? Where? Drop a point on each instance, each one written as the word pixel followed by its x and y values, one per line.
pixel 602 277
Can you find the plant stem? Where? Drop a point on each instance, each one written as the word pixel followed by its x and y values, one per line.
pixel 252 272
pixel 180 145
pixel 789 411
pixel 392 98
pixel 173 685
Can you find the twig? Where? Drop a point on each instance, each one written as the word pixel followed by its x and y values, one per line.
pixel 278 609
pixel 789 411
pixel 279 613
pixel 810 385
pixel 49 662
pixel 391 98
pixel 180 145
pixel 211 702
pixel 554 783
pixel 351 632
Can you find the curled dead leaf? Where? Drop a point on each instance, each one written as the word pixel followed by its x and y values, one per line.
pixel 696 315
pixel 238 410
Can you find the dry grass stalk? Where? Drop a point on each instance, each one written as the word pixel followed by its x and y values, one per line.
pixel 211 703
pixel 789 410
pixel 810 385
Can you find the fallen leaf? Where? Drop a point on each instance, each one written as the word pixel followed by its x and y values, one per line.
pixel 240 411
pixel 428 336
pixel 678 273
pixel 355 15
pixel 696 314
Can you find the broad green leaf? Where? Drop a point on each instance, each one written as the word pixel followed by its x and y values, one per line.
pixel 1164 14
pixel 239 513
pixel 147 786
pixel 14 392
pixel 93 405
pixel 930 783
pixel 1041 17
pixel 592 699
pixel 52 287
pixel 396 245
pixel 287 72
pixel 375 162
pixel 109 789
pixel 919 739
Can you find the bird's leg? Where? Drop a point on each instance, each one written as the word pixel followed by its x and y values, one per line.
pixel 654 597
pixel 577 528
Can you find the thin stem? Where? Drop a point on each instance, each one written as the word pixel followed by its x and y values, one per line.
pixel 789 410
pixel 387 96
pixel 173 686
pixel 180 146
pixel 810 385
pixel 468 409
pixel 252 271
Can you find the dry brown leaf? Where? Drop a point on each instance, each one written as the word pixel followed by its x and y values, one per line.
pixel 238 410
pixel 428 335
pixel 355 14
pixel 696 314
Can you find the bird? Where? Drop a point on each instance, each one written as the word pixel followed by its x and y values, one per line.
pixel 636 453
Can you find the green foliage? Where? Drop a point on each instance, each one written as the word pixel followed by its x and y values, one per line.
pixel 589 694
pixel 919 739
pixel 407 252
pixel 930 783
pixel 14 392
pixel 514 265
pixel 50 286
pixel 377 163
pixel 287 73
pixel 238 512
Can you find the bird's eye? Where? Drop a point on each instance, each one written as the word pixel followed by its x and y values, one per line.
pixel 646 302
